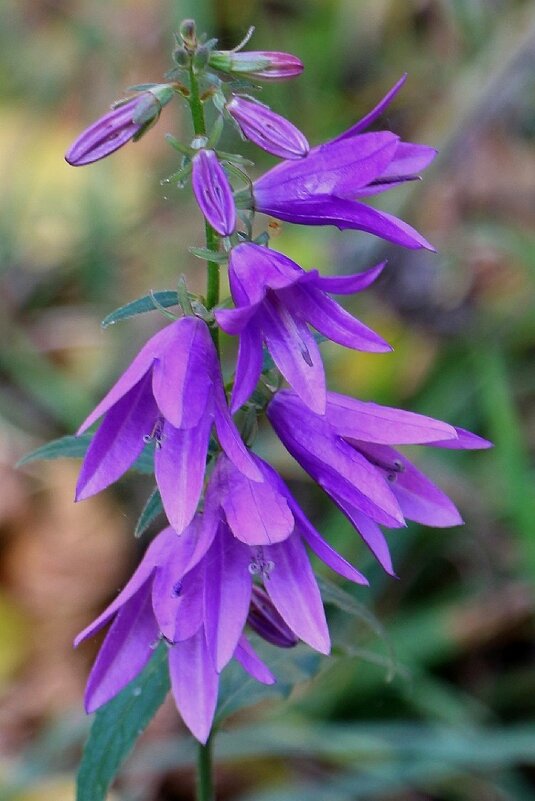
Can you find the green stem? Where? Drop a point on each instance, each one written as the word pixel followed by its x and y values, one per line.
pixel 212 239
pixel 205 783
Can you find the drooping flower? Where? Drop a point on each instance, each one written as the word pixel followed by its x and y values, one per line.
pixel 263 64
pixel 348 452
pixel 172 394
pixel 268 130
pixel 128 120
pixel 321 189
pixel 213 192
pixel 275 300
pixel 164 600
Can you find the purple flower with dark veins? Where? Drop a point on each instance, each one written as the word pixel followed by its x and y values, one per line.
pixel 267 65
pixel 164 600
pixel 275 300
pixel 348 453
pixel 268 130
pixel 128 120
pixel 323 187
pixel 213 192
pixel 172 394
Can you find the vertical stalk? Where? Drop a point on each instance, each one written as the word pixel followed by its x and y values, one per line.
pixel 212 239
pixel 205 783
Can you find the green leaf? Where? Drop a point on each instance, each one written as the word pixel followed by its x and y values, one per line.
pixel 117 726
pixel 70 446
pixel 165 298
pixel 209 255
pixel 152 509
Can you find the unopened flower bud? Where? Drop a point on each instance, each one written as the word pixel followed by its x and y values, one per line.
pixel 188 33
pixel 213 192
pixel 128 120
pixel 267 129
pixel 200 59
pixel 263 64
pixel 267 622
pixel 180 57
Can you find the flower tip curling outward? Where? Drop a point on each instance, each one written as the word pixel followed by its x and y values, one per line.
pixel 213 192
pixel 263 64
pixel 125 122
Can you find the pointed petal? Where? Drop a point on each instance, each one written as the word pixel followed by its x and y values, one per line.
pixel 156 552
pixel 118 441
pixel 370 422
pixel 181 379
pixel 376 112
pixel 348 284
pixel 465 441
pixel 229 436
pixel 179 465
pixel 292 588
pixel 251 662
pixel 409 159
pixel 194 682
pixel 328 555
pixel 331 320
pixel 213 192
pixel 253 269
pixel 295 352
pixel 131 376
pixel 125 652
pixel 235 321
pixel 347 214
pixel 421 500
pixel 256 512
pixel 248 367
pixel 227 594
pixel 372 536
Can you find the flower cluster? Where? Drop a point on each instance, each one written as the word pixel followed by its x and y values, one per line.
pixel 235 552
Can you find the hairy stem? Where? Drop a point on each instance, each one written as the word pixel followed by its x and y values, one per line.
pixel 212 239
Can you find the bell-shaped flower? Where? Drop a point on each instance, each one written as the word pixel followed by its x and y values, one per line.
pixel 348 452
pixel 164 600
pixel 321 189
pixel 268 130
pixel 275 300
pixel 213 192
pixel 266 65
pixel 128 120
pixel 172 394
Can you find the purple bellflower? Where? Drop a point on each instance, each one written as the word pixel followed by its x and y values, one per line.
pixel 164 600
pixel 268 130
pixel 266 65
pixel 171 394
pixel 348 452
pixel 275 300
pixel 213 192
pixel 128 120
pixel 321 189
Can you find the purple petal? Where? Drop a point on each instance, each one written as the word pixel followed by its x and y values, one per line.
pixel 328 555
pixel 118 441
pixel 268 130
pixel 376 112
pixel 268 65
pixel 107 134
pixel 194 682
pixel 409 159
pixel 465 441
pixel 248 367
pixel 267 622
pixel 256 513
pixel 335 168
pixel 347 214
pixel 254 269
pixel 372 536
pixel 181 379
pixel 295 352
pixel 227 594
pixel 213 192
pixel 251 662
pixel 348 284
pixel 124 653
pixel 190 607
pixel 229 436
pixel 179 465
pixel 371 422
pixel 292 588
pixel 235 321
pixel 331 320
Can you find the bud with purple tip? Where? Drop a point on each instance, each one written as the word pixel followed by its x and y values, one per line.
pixel 213 192
pixel 263 64
pixel 267 129
pixel 128 120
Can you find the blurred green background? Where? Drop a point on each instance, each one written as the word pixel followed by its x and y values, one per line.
pixel 455 722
